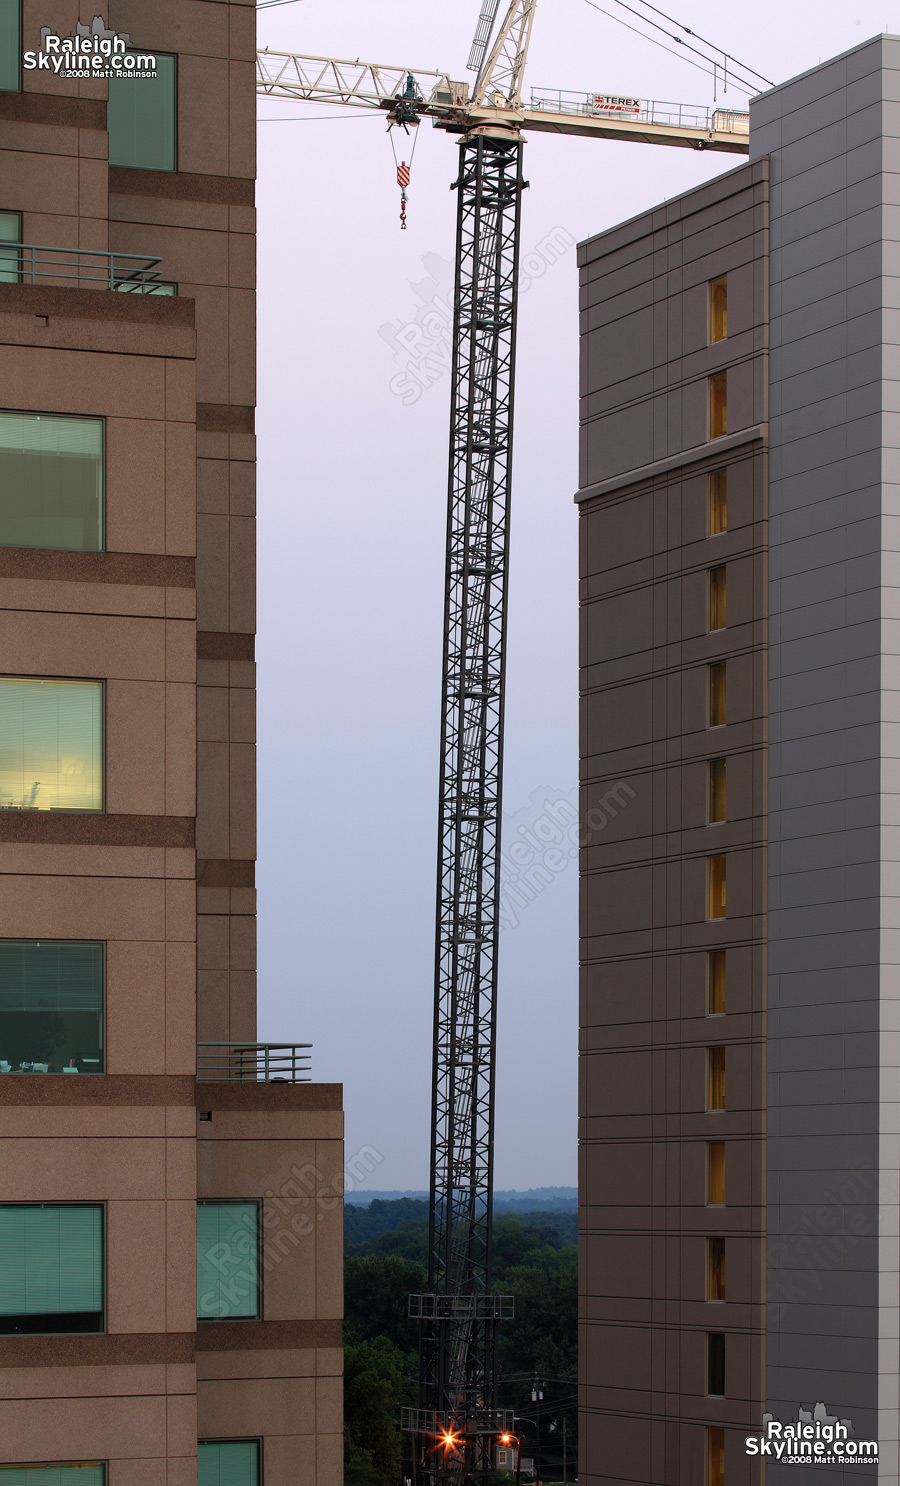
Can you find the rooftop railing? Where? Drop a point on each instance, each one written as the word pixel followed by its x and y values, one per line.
pixel 253 1062
pixel 33 263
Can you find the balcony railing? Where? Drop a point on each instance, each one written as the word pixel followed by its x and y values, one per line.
pixel 253 1062
pixel 32 263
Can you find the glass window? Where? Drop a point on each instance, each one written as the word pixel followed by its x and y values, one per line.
pixel 715 1455
pixel 718 308
pixel 51 1007
pixel 51 744
pixel 227 1261
pixel 141 118
pixel 717 490
pixel 228 1463
pixel 10 46
pixel 717 581
pixel 10 232
pixel 718 405
pixel 131 286
pixel 51 482
pixel 715 1173
pixel 715 1268
pixel 715 982
pixel 716 767
pixel 51 1268
pixel 715 1363
pixel 717 711
pixel 716 870
pixel 715 1091
pixel 76 1473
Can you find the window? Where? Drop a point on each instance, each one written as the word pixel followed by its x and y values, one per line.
pixel 715 1363
pixel 10 232
pixel 715 1086
pixel 51 482
pixel 716 688
pixel 716 873
pixel 10 46
pixel 715 1269
pixel 718 405
pixel 132 286
pixel 716 771
pixel 51 744
pixel 227 1261
pixel 715 982
pixel 715 1455
pixel 51 1268
pixel 80 1473
pixel 51 1007
pixel 228 1463
pixel 718 308
pixel 141 118
pixel 715 1173
pixel 717 502
pixel 716 580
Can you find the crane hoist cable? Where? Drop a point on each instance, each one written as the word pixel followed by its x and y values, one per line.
pixel 404 170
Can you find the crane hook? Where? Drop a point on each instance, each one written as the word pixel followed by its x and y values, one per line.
pixel 403 182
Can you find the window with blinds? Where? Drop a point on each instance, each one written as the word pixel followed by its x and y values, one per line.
pixel 228 1286
pixel 51 1268
pixel 75 1473
pixel 51 744
pixel 51 479
pixel 227 1463
pixel 51 1006
pixel 10 46
pixel 141 117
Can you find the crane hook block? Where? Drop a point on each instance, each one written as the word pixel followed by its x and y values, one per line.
pixel 403 176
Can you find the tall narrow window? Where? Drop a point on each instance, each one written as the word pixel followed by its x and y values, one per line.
pixel 10 232
pixel 51 744
pixel 141 117
pixel 51 481
pixel 228 1463
pixel 51 1006
pixel 716 689
pixel 715 982
pixel 10 46
pixel 75 1473
pixel 716 877
pixel 718 404
pixel 715 1455
pixel 715 1363
pixel 716 770
pixel 717 494
pixel 715 1173
pixel 228 1261
pixel 717 580
pixel 51 1268
pixel 715 1269
pixel 715 1084
pixel 718 308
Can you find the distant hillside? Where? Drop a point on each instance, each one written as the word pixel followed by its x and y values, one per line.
pixel 542 1199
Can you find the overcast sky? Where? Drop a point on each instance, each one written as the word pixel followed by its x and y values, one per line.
pixel 353 425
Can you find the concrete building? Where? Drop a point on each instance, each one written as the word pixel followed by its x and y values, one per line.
pixel 739 569
pixel 170 1214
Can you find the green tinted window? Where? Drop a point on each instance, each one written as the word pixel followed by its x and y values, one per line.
pixel 141 118
pixel 51 744
pixel 10 45
pixel 10 232
pixel 76 1474
pixel 51 1268
pixel 51 1007
pixel 227 1260
pixel 227 1463
pixel 51 481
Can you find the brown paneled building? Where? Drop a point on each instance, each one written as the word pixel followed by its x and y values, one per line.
pixel 170 1214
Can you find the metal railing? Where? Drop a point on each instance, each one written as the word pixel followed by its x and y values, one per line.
pixel 253 1062
pixel 462 1307
pixel 33 263
pixel 640 111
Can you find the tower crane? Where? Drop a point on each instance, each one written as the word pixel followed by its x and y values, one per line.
pixel 458 1423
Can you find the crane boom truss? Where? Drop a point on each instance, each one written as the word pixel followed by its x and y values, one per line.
pixel 501 72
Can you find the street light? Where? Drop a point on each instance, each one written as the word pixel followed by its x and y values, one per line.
pixel 507 1439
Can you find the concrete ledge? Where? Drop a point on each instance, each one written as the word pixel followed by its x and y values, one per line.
pixel 59 828
pixel 711 450
pixel 256 1336
pixel 133 1349
pixel 96 304
pixel 143 569
pixel 143 1089
pixel 233 1095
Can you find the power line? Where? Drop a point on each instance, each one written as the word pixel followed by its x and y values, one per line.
pixel 727 55
pixel 647 22
pixel 645 37
pixel 311 118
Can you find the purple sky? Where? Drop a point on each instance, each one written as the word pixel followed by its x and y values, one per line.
pixel 352 491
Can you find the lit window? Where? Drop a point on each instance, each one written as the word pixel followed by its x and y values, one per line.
pixel 51 1007
pixel 228 1463
pixel 10 232
pixel 715 981
pixel 715 1091
pixel 717 712
pixel 76 1473
pixel 141 118
pixel 51 1268
pixel 227 1261
pixel 715 1364
pixel 718 308
pixel 717 491
pixel 717 581
pixel 10 46
pixel 716 869
pixel 51 482
pixel 51 744
pixel 716 768
pixel 715 1173
pixel 715 1455
pixel 718 405
pixel 715 1269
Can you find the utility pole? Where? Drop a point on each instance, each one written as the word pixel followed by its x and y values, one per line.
pixel 537 1397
